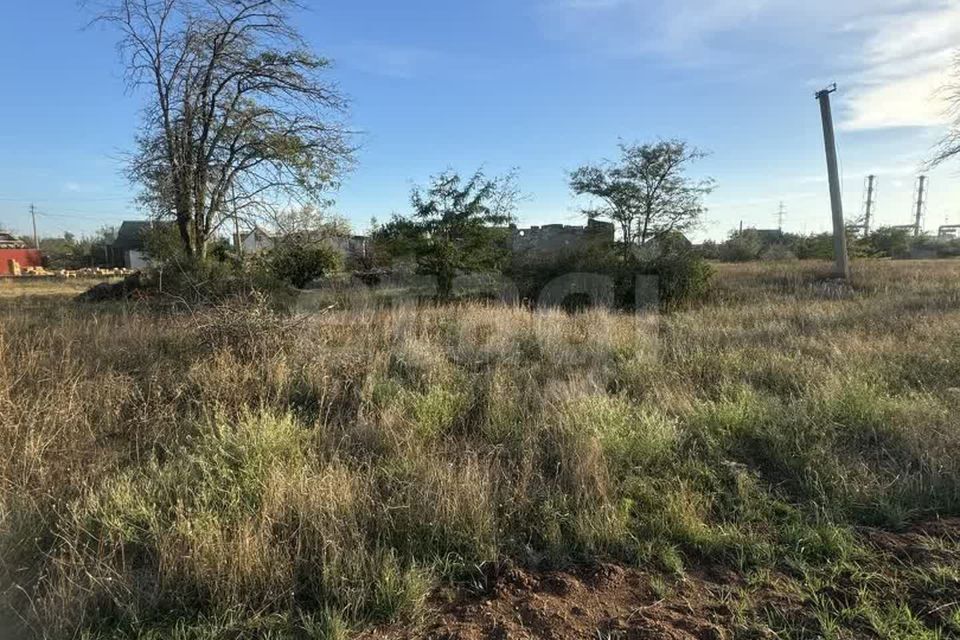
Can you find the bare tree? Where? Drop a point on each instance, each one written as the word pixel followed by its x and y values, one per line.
pixel 238 121
pixel 311 221
pixel 949 146
pixel 646 193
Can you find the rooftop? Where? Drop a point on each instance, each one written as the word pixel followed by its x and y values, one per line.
pixel 130 234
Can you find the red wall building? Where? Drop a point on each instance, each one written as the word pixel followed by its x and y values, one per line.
pixel 25 257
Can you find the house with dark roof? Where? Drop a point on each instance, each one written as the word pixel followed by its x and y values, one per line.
pixel 769 236
pixel 9 241
pixel 130 243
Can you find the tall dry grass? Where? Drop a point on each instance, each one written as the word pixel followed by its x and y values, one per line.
pixel 235 471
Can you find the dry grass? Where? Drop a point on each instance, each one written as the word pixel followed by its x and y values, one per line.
pixel 194 475
pixel 33 287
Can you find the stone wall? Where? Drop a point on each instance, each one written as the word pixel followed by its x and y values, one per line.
pixel 553 238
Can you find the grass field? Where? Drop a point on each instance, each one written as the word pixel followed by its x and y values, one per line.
pixel 230 473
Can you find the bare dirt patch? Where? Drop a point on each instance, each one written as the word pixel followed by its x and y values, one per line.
pixel 599 601
pixel 608 601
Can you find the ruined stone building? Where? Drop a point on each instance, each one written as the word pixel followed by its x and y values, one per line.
pixel 556 238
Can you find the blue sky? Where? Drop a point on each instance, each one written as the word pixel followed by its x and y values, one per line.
pixel 539 85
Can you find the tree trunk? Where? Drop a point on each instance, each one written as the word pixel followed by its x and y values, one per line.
pixel 444 284
pixel 183 226
pixel 627 238
pixel 198 250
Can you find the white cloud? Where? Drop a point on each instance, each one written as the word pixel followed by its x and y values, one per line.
pixel 666 25
pixel 901 102
pixel 394 61
pixel 905 61
pixel 901 167
pixel 891 56
pixel 72 186
pixel 680 30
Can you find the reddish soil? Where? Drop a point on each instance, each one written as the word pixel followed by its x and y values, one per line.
pixel 603 601
pixel 922 544
pixel 609 602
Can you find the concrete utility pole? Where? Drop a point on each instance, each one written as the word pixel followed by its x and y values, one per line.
pixel 238 241
pixel 868 211
pixel 781 214
pixel 921 194
pixel 842 264
pixel 33 216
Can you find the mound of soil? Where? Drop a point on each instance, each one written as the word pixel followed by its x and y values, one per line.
pixel 612 602
pixel 106 291
pixel 600 601
pixel 603 601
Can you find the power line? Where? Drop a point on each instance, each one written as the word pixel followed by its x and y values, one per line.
pixel 7 198
pixel 70 216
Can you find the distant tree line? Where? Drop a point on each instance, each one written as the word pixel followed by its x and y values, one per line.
pixel 884 242
pixel 460 225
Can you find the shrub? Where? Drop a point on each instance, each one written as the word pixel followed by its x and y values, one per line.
pixel 709 250
pixel 162 243
pixel 889 242
pixel 778 252
pixel 742 246
pixel 300 262
pixel 532 273
pixel 750 244
pixel 211 281
pixel 682 274
pixel 928 247
pixel 814 247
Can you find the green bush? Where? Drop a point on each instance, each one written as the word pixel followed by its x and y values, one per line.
pixel 682 274
pixel 925 247
pixel 777 252
pixel 298 263
pixel 531 273
pixel 742 246
pixel 218 279
pixel 889 242
pixel 162 243
pixel 709 250
pixel 814 247
pixel 752 244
